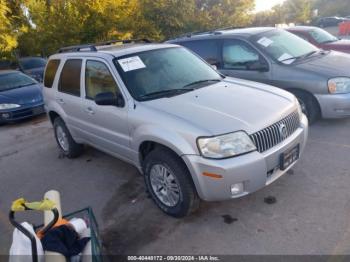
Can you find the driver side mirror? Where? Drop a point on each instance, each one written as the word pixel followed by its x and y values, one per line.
pixel 109 99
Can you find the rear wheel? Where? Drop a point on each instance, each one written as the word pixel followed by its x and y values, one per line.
pixel 65 141
pixel 169 183
pixel 308 104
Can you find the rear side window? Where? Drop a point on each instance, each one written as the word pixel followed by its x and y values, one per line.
pixel 70 77
pixel 50 72
pixel 209 50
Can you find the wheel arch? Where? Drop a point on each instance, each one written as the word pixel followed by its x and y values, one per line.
pixel 296 90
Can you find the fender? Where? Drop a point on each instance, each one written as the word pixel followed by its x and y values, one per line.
pixel 163 136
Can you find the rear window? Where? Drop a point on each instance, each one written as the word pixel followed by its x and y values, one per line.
pixel 70 77
pixel 50 72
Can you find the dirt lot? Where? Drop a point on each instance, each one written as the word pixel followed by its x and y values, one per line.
pixel 311 215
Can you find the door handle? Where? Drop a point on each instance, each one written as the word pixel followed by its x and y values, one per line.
pixel 60 100
pixel 90 111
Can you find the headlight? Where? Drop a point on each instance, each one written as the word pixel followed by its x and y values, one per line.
pixel 225 146
pixel 8 106
pixel 339 85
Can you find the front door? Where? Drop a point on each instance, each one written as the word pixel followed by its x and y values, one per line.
pixel 106 127
pixel 241 60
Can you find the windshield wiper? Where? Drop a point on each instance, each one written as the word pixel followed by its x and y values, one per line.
pixel 329 41
pixel 299 57
pixel 309 54
pixel 166 93
pixel 202 81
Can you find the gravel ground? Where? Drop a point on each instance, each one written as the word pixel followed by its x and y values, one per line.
pixel 311 214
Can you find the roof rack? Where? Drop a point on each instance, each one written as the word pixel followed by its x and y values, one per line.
pixel 93 47
pixel 190 34
pixel 214 31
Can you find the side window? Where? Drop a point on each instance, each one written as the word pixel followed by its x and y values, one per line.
pixel 209 50
pixel 239 55
pixel 50 72
pixel 70 77
pixel 98 79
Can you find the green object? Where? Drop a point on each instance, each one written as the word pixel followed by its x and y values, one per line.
pixel 88 215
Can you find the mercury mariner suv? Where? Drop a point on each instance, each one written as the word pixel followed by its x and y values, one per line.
pixel 192 132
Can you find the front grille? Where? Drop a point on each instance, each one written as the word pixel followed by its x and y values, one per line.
pixel 276 133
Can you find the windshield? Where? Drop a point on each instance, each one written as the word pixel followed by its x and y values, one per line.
pixel 284 46
pixel 14 80
pixel 322 36
pixel 30 63
pixel 164 70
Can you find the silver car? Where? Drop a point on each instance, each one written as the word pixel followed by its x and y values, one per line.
pixel 193 133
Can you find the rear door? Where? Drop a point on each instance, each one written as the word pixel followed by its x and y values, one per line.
pixel 241 60
pixel 68 94
pixel 106 127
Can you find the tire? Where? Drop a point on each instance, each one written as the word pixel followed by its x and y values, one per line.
pixel 186 200
pixel 308 105
pixel 70 148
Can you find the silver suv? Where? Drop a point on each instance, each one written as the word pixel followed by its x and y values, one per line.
pixel 193 133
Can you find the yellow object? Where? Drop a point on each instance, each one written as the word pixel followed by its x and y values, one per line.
pixel 21 205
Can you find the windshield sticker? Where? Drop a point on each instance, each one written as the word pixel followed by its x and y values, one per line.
pixel 264 41
pixel 131 63
pixel 286 59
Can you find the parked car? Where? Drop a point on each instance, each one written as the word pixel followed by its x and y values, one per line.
pixel 20 96
pixel 33 66
pixel 192 132
pixel 320 79
pixel 7 65
pixel 321 38
pixel 330 21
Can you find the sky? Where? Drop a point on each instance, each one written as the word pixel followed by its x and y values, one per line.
pixel 262 5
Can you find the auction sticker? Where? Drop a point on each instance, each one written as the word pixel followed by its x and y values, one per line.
pixel 131 63
pixel 286 58
pixel 264 41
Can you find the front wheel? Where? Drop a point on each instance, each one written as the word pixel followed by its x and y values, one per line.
pixel 65 141
pixel 169 183
pixel 308 105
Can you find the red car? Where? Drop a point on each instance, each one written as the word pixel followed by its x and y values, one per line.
pixel 321 38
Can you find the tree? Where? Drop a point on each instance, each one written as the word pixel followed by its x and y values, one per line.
pixel 67 22
pixel 224 13
pixel 297 11
pixel 291 11
pixel 8 37
pixel 161 19
pixel 51 24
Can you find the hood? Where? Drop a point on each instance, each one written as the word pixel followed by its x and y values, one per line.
pixel 23 95
pixel 331 64
pixel 228 106
pixel 341 45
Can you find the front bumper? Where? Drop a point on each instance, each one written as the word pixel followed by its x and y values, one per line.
pixel 22 112
pixel 334 105
pixel 255 170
